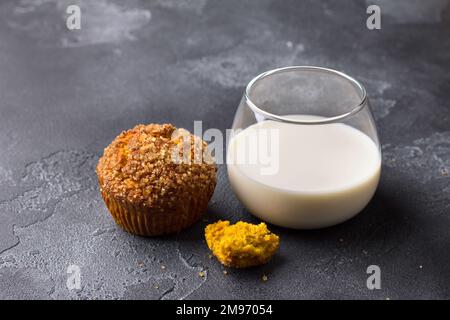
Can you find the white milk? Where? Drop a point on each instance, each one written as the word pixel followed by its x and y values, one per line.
pixel 326 173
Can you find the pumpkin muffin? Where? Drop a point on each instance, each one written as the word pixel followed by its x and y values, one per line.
pixel 241 245
pixel 156 179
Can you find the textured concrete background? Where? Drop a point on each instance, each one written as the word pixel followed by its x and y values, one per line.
pixel 65 95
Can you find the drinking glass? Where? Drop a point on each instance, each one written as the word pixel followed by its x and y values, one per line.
pixel 303 151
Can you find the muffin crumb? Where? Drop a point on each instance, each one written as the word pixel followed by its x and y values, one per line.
pixel 241 245
pixel 264 278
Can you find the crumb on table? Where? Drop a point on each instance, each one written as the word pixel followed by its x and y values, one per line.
pixel 241 245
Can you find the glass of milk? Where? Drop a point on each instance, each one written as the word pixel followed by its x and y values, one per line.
pixel 304 151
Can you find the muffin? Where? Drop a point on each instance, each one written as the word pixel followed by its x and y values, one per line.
pixel 241 245
pixel 156 179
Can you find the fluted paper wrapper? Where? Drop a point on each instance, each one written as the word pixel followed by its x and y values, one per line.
pixel 146 221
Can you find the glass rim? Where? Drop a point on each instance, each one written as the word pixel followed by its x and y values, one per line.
pixel 353 110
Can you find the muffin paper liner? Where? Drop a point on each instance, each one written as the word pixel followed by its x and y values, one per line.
pixel 146 221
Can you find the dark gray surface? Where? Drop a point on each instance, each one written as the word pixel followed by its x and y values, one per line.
pixel 65 95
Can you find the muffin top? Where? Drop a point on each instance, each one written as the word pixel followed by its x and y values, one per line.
pixel 156 162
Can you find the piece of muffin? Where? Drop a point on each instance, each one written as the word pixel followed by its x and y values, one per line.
pixel 241 245
pixel 156 179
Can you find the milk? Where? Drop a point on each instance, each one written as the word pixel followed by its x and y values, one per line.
pixel 325 174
